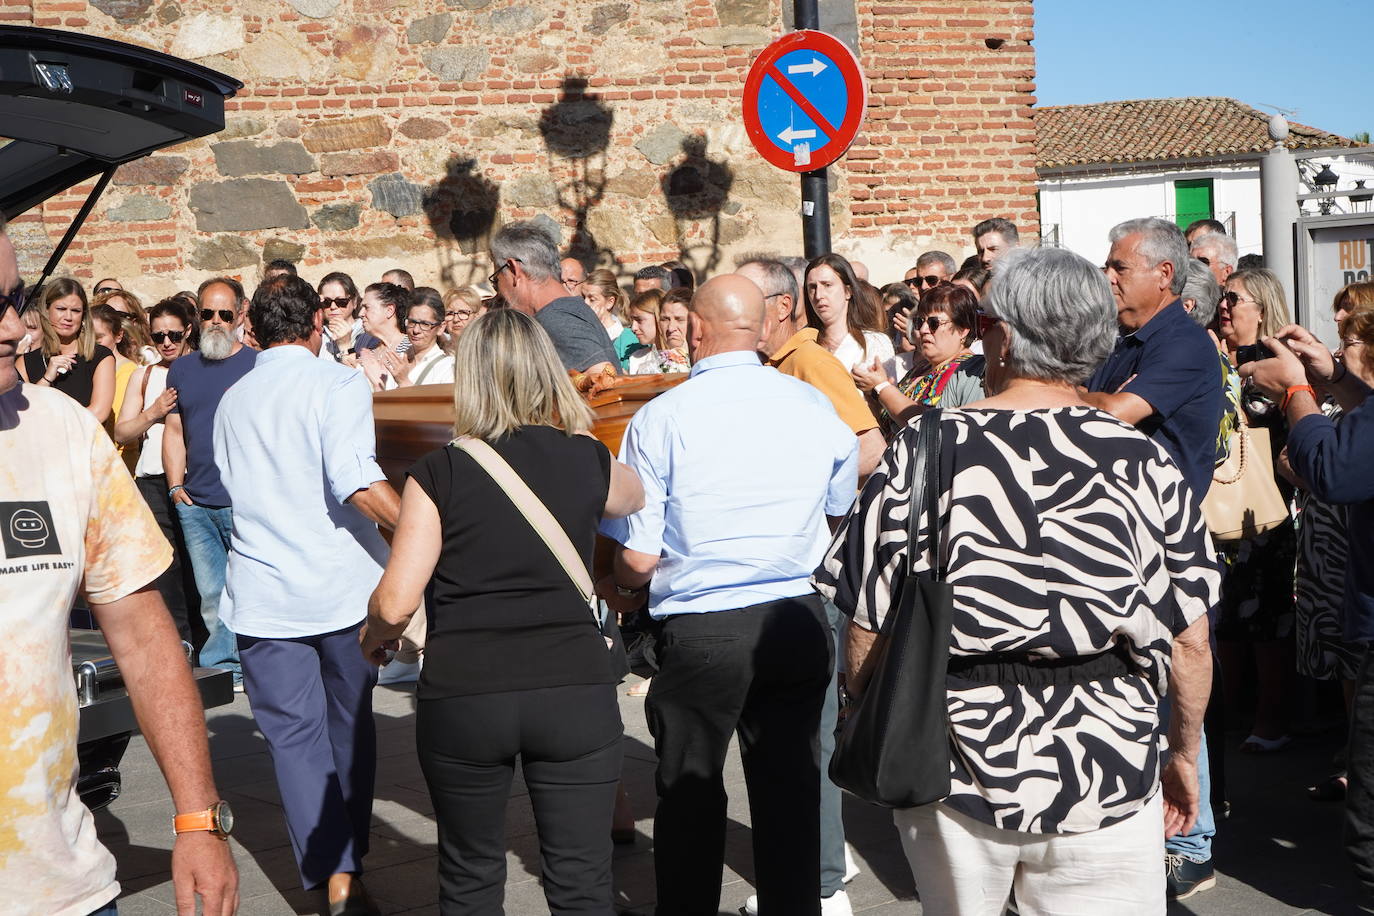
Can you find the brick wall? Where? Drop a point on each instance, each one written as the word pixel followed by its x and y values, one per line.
pixel 374 133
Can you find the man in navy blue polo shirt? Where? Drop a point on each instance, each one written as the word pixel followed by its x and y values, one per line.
pixel 1164 378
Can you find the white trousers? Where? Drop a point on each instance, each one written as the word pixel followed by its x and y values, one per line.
pixel 964 867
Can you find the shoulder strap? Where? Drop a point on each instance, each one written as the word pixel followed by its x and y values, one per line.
pixel 925 494
pixel 534 511
pixel 143 388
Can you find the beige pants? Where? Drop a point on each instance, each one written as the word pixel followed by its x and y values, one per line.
pixel 964 867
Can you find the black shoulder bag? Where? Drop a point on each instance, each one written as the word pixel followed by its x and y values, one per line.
pixel 894 749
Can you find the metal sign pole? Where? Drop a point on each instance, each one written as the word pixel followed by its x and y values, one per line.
pixel 814 191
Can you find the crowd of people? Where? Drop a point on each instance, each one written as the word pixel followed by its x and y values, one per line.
pixel 1148 479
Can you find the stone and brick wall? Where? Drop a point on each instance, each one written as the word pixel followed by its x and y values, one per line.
pixel 379 133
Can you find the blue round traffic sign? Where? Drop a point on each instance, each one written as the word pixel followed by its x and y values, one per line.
pixel 804 101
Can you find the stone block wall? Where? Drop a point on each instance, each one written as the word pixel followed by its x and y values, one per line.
pixel 380 133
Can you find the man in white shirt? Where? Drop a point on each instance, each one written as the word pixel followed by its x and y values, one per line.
pixel 296 450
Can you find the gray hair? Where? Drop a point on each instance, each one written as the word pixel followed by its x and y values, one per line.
pixel 1160 241
pixel 1202 287
pixel 942 258
pixel 529 244
pixel 1222 244
pixel 1003 227
pixel 1059 311
pixel 781 281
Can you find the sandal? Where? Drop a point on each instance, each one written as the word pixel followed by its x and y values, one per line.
pixel 1332 788
pixel 1257 745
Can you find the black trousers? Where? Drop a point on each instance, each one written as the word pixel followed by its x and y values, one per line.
pixel 1359 764
pixel 172 584
pixel 568 740
pixel 762 672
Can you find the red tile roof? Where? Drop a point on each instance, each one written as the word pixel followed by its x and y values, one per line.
pixel 1152 130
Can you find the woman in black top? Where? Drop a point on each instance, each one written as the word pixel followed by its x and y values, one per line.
pixel 515 665
pixel 69 359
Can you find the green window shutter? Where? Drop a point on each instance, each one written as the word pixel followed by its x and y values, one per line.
pixel 1192 200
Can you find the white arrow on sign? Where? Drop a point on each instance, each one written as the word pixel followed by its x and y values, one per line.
pixel 791 133
pixel 814 68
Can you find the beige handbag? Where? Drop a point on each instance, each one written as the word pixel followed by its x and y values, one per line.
pixel 1244 500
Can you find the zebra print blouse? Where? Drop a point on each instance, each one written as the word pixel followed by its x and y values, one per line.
pixel 1066 531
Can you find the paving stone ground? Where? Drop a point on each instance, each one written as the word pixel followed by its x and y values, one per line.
pixel 1279 853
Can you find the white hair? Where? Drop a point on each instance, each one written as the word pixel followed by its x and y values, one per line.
pixel 1222 244
pixel 1160 241
pixel 1059 311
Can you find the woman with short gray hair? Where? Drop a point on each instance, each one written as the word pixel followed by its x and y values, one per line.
pixel 1081 573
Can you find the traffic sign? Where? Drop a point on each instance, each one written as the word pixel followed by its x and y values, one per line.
pixel 804 100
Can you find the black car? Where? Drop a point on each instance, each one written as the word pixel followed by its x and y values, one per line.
pixel 74 107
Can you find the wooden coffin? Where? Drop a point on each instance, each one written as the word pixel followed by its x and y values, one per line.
pixel 414 421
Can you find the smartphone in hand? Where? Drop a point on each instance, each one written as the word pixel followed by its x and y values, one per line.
pixel 1251 353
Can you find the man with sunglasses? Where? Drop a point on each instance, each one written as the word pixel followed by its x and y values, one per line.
pixel 932 269
pixel 188 457
pixel 72 521
pixel 529 277
pixel 1219 252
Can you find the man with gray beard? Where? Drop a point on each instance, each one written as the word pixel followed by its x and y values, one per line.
pixel 188 455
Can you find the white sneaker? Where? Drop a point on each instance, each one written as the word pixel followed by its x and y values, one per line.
pixel 837 904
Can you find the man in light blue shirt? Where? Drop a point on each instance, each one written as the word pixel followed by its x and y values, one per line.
pixel 295 447
pixel 741 466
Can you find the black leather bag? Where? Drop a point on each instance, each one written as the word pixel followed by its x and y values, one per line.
pixel 894 748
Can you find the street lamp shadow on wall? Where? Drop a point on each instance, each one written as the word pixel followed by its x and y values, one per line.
pixel 577 128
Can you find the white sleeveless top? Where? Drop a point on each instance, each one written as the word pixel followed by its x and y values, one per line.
pixel 150 459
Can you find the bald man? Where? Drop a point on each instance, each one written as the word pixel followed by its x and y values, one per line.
pixel 756 463
pixel 573 274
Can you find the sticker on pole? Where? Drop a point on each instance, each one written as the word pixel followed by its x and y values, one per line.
pixel 804 100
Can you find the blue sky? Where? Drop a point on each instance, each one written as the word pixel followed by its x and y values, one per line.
pixel 1302 56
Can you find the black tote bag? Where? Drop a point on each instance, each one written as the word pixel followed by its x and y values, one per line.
pixel 894 748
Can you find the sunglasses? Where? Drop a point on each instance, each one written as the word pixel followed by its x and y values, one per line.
pixel 427 325
pixel 174 336
pixel 224 315
pixel 931 323
pixel 336 303
pixel 1230 299
pixel 108 289
pixel 917 282
pixel 17 299
pixel 1207 261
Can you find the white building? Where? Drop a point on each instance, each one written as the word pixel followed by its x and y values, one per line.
pixel 1180 159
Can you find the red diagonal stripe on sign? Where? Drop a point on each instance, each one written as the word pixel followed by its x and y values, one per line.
pixel 802 102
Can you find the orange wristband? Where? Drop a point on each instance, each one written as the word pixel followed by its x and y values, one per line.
pixel 1288 395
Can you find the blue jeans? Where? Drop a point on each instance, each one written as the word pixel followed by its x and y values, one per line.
pixel 206 532
pixel 1196 844
pixel 108 909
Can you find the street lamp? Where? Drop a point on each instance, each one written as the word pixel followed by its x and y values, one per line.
pixel 1361 199
pixel 1325 180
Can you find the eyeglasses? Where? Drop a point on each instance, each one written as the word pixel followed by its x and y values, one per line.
pixel 427 325
pixel 508 262
pixel 1230 298
pixel 337 302
pixel 174 336
pixel 17 299
pixel 107 289
pixel 461 315
pixel 917 282
pixel 224 315
pixel 931 323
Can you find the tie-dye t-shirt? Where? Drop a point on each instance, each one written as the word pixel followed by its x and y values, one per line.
pixel 68 510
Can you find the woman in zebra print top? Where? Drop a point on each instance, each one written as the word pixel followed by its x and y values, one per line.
pixel 1066 534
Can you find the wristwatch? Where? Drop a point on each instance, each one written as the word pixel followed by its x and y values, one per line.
pixel 624 592
pixel 217 819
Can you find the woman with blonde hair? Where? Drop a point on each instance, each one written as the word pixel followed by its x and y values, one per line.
pixel 653 355
pixel 516 666
pixel 1256 616
pixel 460 307
pixel 69 358
pixel 601 291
